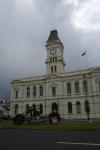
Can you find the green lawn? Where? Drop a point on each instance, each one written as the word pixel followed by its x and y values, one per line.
pixel 62 125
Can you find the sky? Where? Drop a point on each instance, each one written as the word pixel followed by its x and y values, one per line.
pixel 25 26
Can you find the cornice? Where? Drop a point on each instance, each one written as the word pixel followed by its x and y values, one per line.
pixel 89 71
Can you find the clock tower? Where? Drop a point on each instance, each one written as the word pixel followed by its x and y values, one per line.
pixel 54 61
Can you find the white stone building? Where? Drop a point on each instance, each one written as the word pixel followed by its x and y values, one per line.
pixel 57 90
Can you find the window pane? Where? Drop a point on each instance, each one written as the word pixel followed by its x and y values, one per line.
pixel 53 91
pixel 16 94
pixel 51 69
pixel 69 107
pixel 41 90
pixel 78 107
pixel 55 69
pixel 69 88
pixel 34 90
pixel 55 58
pixel 54 108
pixel 85 86
pixel 28 91
pixel 76 87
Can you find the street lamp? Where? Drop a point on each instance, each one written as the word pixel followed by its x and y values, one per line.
pixel 87 107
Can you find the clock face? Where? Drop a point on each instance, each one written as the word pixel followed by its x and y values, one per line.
pixel 53 51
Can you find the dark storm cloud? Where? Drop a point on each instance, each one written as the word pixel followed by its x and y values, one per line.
pixel 24 28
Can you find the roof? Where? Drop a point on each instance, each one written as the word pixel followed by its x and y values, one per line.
pixel 53 36
pixel 54 39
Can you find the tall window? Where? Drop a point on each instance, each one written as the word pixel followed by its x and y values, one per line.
pixel 16 109
pixel 69 107
pixel 55 107
pixel 78 107
pixel 76 87
pixel 16 94
pixel 55 58
pixel 85 86
pixel 51 69
pixel 55 67
pixel 34 90
pixel 68 88
pixel 41 108
pixel 28 91
pixel 41 90
pixel 53 91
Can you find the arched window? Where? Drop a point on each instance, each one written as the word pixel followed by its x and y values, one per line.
pixel 55 107
pixel 85 86
pixel 51 69
pixel 69 107
pixel 16 109
pixel 87 106
pixel 34 90
pixel 16 94
pixel 41 90
pixel 78 107
pixel 76 87
pixel 41 108
pixel 28 91
pixel 68 88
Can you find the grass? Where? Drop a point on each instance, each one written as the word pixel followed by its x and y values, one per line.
pixel 62 125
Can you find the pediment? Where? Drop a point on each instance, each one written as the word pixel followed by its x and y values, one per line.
pixel 53 76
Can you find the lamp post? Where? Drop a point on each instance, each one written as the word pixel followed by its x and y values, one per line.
pixel 87 107
pixel 45 107
pixel 58 106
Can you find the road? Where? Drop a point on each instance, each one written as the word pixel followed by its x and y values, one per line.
pixel 26 139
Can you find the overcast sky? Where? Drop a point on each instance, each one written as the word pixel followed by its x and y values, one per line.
pixel 24 29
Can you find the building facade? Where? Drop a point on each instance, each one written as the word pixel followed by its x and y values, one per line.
pixel 72 94
pixel 4 109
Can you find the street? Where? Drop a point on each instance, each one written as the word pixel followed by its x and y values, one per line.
pixel 27 139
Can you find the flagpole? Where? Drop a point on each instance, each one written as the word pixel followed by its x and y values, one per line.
pixel 85 55
pixel 85 59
